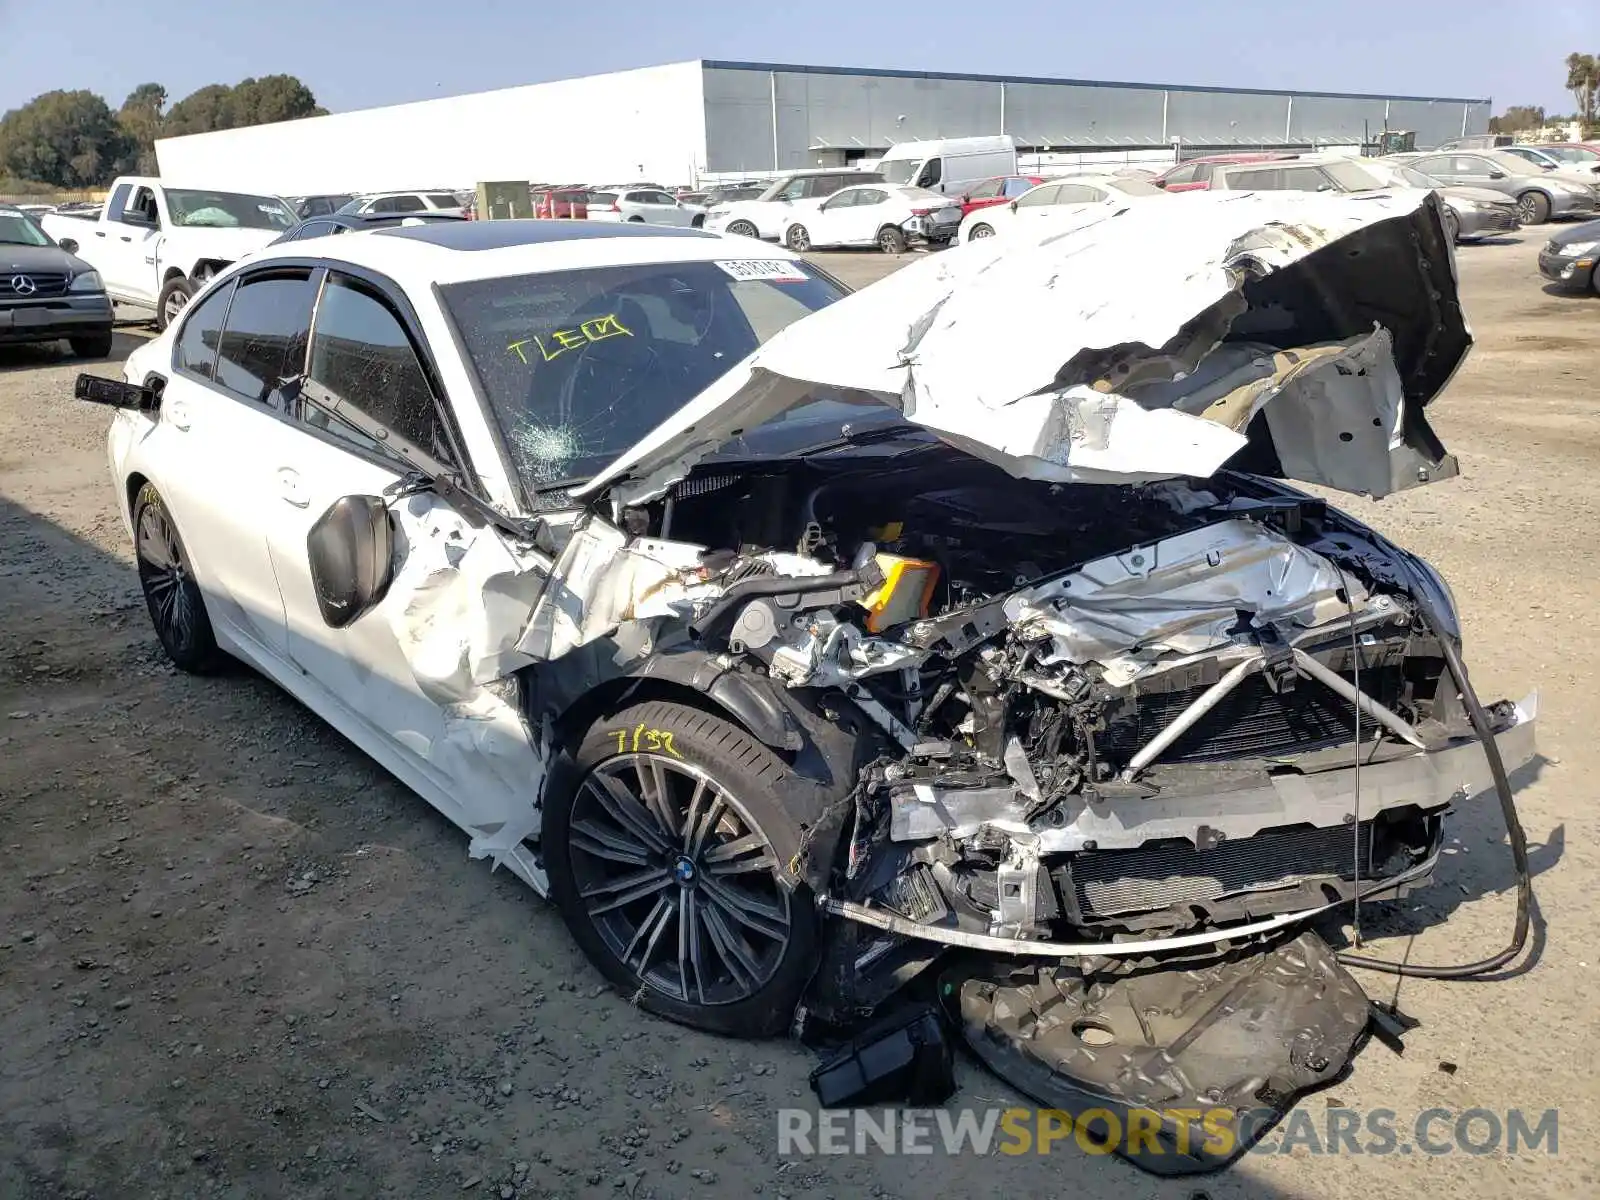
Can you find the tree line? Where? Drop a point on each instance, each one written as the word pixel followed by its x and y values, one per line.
pixel 74 139
pixel 1583 81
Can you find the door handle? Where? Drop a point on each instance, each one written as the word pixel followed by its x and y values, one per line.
pixel 177 413
pixel 99 233
pixel 126 238
pixel 290 487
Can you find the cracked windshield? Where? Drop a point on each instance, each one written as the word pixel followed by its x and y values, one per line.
pixel 579 365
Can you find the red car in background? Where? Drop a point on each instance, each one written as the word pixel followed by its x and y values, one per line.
pixel 997 191
pixel 1194 175
pixel 569 202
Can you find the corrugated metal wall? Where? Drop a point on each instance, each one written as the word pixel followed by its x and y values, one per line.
pixel 760 118
pixel 648 124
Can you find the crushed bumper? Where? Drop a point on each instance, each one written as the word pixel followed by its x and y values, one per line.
pixel 1290 804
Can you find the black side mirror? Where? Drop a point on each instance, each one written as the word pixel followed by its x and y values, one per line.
pixel 67 244
pixel 351 548
pixel 114 393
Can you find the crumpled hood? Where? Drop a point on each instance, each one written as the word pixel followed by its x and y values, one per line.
pixel 1061 353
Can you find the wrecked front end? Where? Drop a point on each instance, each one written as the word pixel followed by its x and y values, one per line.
pixel 1122 709
pixel 1234 714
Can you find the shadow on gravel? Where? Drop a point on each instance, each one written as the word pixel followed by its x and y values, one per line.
pixel 55 354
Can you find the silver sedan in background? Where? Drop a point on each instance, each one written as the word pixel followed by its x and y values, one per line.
pixel 1540 194
pixel 1470 212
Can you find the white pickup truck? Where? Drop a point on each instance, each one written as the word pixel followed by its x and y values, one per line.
pixel 155 245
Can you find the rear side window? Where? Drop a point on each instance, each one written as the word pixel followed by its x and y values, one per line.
pixel 1044 194
pixel 602 199
pixel 263 345
pixel 1078 193
pixel 443 200
pixel 196 349
pixel 1256 181
pixel 363 359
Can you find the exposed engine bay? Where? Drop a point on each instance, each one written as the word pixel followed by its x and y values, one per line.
pixel 1118 710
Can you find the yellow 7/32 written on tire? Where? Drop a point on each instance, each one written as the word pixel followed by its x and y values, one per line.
pixel 642 739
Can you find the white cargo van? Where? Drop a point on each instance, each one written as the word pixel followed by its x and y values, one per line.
pixel 949 165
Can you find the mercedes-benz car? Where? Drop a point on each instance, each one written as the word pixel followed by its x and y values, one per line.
pixel 48 293
pixel 787 638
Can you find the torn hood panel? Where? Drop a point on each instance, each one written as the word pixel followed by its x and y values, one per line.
pixel 1047 352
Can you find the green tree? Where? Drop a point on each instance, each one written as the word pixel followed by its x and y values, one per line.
pixel 272 98
pixel 69 139
pixel 1519 118
pixel 250 102
pixel 140 117
pixel 201 111
pixel 1583 81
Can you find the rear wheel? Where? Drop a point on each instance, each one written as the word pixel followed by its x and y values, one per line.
pixel 174 297
pixel 95 346
pixel 669 861
pixel 798 239
pixel 177 608
pixel 891 240
pixel 1533 208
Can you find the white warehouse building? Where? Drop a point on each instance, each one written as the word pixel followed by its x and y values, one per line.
pixel 683 122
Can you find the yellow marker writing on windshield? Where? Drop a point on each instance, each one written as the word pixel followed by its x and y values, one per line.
pixel 554 345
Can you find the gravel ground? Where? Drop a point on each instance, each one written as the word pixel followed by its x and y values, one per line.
pixel 238 960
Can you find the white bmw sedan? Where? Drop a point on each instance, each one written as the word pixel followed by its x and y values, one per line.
pixel 346 466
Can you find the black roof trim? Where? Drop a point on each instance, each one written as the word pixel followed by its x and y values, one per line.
pixel 724 65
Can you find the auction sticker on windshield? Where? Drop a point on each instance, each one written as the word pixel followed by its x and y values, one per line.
pixel 769 270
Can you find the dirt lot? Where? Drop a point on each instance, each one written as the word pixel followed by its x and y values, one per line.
pixel 238 960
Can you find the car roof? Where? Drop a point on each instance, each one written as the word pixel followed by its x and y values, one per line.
pixel 417 256
pixel 1251 157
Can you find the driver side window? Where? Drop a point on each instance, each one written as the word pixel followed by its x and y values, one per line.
pixel 362 359
pixel 141 210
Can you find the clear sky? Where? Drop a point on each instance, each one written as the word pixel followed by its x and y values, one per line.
pixel 359 53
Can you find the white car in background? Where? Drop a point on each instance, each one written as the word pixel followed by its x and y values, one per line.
pixel 405 202
pixel 765 216
pixel 875 214
pixel 1051 198
pixel 646 205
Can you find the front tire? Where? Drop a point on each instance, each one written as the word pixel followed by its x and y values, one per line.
pixel 1533 208
pixel 669 861
pixel 980 230
pixel 97 346
pixel 798 239
pixel 743 229
pixel 174 298
pixel 177 607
